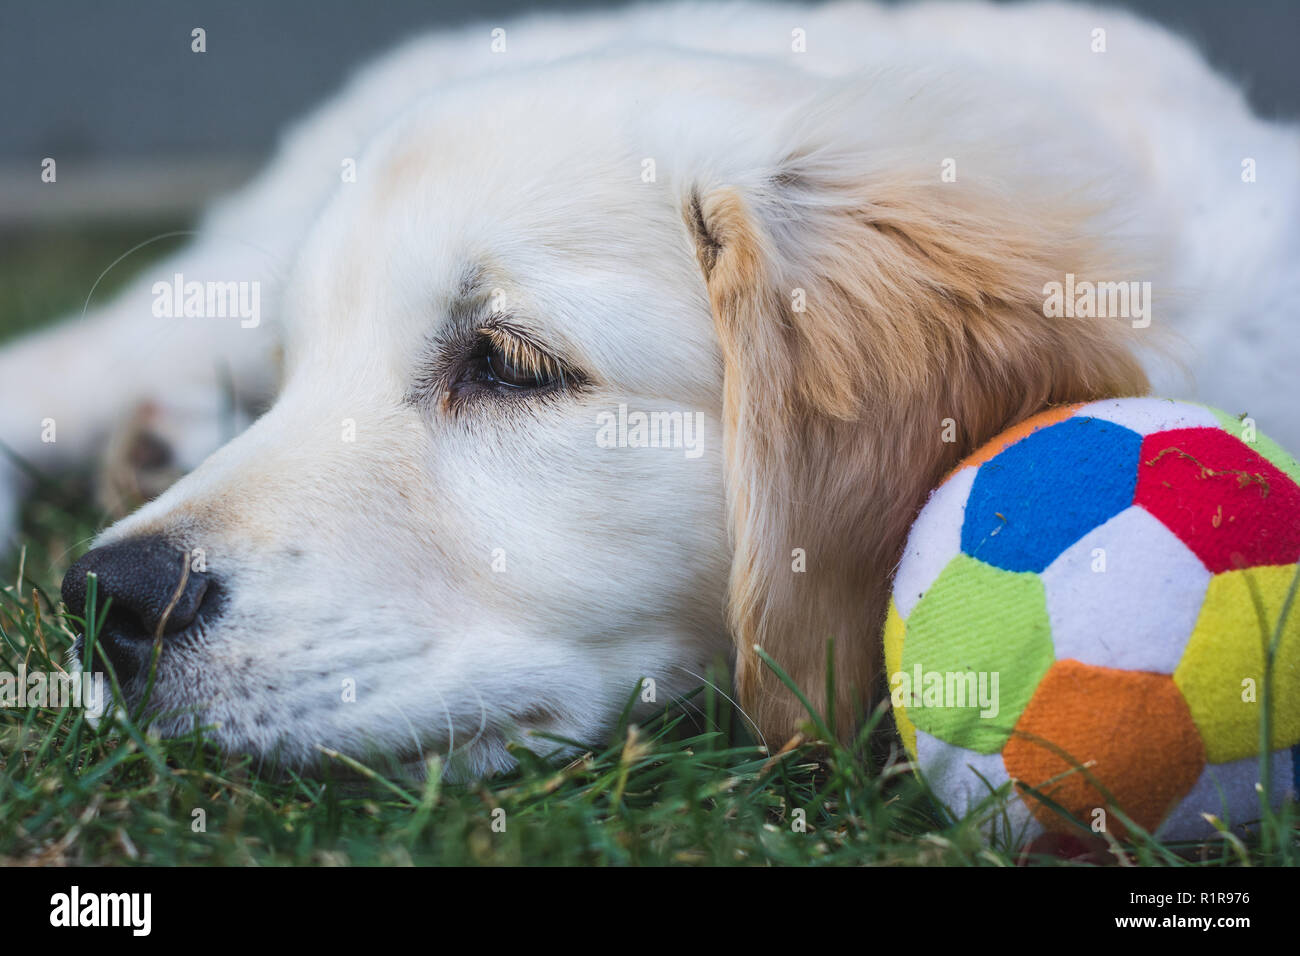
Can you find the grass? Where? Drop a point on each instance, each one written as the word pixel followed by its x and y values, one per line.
pixel 687 787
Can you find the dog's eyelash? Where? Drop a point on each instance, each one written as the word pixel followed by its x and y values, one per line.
pixel 523 354
pixel 495 360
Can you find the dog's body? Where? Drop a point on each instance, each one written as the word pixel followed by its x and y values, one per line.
pixel 827 232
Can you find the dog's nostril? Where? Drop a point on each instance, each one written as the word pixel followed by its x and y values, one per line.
pixel 143 577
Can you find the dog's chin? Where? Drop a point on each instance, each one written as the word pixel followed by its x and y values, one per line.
pixel 465 755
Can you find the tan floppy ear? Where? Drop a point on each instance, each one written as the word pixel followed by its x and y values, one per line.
pixel 863 308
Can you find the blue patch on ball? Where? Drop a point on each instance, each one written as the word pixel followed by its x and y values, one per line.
pixel 1046 491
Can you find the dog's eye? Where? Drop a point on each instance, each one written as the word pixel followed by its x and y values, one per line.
pixel 505 362
pixel 519 370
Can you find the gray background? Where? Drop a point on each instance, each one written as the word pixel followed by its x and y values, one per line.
pixel 114 85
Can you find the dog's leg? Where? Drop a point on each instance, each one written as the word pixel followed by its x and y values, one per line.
pixel 167 388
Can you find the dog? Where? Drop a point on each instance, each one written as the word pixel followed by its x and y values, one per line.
pixel 601 348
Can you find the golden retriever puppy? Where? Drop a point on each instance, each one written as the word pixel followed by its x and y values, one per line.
pixel 615 345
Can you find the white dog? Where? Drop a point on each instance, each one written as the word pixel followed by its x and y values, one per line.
pixel 607 346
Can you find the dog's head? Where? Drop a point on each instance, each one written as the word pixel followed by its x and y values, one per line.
pixel 603 372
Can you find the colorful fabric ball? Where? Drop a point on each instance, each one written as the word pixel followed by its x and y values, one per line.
pixel 1097 588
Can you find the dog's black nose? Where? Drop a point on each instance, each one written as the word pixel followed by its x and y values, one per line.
pixel 143 576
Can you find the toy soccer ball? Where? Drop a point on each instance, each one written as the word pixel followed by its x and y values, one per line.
pixel 1085 606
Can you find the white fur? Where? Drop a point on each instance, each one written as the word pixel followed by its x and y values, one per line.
pixel 373 560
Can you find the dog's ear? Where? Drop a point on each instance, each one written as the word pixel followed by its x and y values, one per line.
pixel 878 322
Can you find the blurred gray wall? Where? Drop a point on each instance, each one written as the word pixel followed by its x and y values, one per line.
pixel 114 84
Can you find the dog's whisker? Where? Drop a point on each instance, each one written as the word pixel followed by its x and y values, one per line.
pixel 415 736
pixel 690 709
pixel 57 560
pixel 482 723
pixel 731 700
pixel 451 723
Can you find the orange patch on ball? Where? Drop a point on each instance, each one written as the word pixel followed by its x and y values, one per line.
pixel 1131 730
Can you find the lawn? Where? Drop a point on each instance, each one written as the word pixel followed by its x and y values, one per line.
pixel 687 787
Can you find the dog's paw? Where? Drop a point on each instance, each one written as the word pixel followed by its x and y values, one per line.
pixel 157 444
